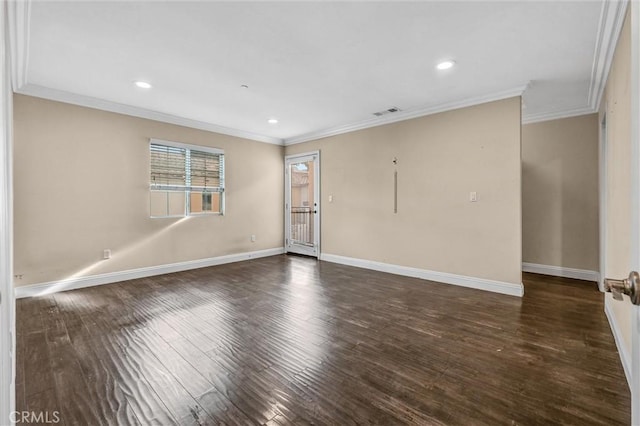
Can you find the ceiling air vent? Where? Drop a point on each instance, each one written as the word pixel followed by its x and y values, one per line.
pixel 386 111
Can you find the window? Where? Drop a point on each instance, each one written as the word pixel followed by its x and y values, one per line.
pixel 185 179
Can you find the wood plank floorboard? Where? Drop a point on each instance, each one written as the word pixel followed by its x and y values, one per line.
pixel 288 340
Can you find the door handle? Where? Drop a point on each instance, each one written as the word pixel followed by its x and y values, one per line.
pixel 628 286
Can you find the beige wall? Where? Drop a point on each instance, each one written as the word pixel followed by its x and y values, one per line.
pixel 81 185
pixel 617 104
pixel 441 158
pixel 560 193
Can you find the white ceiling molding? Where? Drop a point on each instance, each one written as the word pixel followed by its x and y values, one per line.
pixel 18 18
pixel 407 115
pixel 556 115
pixel 104 105
pixel 612 17
pixel 611 21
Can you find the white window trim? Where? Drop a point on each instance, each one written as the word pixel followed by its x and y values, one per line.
pixel 187 146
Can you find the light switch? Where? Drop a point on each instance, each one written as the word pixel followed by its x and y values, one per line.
pixel 473 197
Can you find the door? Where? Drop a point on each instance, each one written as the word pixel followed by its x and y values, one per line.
pixel 635 209
pixel 302 204
pixel 635 141
pixel 620 241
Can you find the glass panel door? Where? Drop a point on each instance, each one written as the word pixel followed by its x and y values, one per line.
pixel 302 208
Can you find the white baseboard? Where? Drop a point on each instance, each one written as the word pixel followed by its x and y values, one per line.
pixel 112 277
pixel 559 271
pixel 443 277
pixel 625 354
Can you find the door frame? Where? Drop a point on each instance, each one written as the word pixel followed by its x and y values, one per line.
pixel 7 304
pixel 288 159
pixel 602 210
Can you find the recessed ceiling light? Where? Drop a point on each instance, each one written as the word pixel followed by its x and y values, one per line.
pixel 272 121
pixel 445 65
pixel 143 84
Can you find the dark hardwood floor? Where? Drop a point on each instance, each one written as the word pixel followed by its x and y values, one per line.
pixel 289 340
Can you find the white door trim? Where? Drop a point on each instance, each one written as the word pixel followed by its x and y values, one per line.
pixel 602 160
pixel 635 205
pixel 7 316
pixel 305 156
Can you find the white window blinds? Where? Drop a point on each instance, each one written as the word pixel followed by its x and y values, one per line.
pixel 182 168
pixel 168 167
pixel 185 179
pixel 205 171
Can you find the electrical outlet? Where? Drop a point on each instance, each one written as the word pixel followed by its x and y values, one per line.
pixel 106 254
pixel 253 238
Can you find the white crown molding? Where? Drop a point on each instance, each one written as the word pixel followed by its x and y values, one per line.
pixel 610 24
pixel 623 351
pixel 556 115
pixel 559 271
pixel 35 290
pixel 18 19
pixel 611 20
pixel 407 115
pixel 104 105
pixel 442 277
